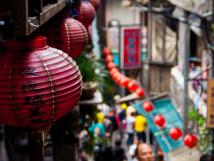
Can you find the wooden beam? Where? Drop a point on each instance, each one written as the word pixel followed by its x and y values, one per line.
pixel 20 16
pixel 48 12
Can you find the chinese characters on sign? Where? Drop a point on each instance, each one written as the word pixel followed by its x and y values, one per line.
pixel 210 104
pixel 130 47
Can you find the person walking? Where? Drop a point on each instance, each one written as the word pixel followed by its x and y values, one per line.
pixel 130 120
pixel 140 125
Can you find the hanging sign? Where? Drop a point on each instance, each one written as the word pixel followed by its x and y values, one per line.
pixel 210 104
pixel 130 53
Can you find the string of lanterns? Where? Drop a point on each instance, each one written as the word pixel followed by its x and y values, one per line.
pixel 190 140
pixel 131 84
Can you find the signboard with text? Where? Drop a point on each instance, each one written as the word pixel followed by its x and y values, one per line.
pixel 130 47
pixel 210 104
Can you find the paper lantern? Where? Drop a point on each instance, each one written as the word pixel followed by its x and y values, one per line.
pixel 71 37
pixel 110 65
pixel 106 51
pixel 115 75
pixel 159 120
pixel 190 140
pixel 124 81
pixel 175 133
pixel 148 106
pixel 140 92
pixel 95 3
pixel 133 85
pixel 109 58
pixel 86 13
pixel 38 84
pixel 113 70
pixel 118 77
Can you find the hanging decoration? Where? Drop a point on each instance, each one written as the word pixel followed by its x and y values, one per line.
pixel 109 58
pixel 159 120
pixel 148 106
pixel 38 84
pixel 190 140
pixel 175 133
pixel 106 51
pixel 95 3
pixel 110 65
pixel 124 81
pixel 71 37
pixel 86 13
pixel 131 84
pixel 140 92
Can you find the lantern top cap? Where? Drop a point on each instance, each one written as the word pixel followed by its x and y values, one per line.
pixel 30 44
pixel 37 42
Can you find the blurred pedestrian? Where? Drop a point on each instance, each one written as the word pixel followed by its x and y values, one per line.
pixel 144 152
pixel 132 149
pixel 140 125
pixel 130 120
pixel 118 152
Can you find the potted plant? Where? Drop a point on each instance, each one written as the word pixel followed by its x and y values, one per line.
pixel 91 74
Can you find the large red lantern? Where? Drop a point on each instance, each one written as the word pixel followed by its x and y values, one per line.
pixel 71 37
pixel 148 106
pixel 159 120
pixel 140 92
pixel 133 85
pixel 95 3
pixel 190 140
pixel 38 84
pixel 86 13
pixel 175 133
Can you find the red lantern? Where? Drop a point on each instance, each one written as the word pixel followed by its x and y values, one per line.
pixel 110 65
pixel 38 85
pixel 190 140
pixel 113 70
pixel 140 92
pixel 124 81
pixel 71 37
pixel 175 133
pixel 159 120
pixel 118 77
pixel 95 3
pixel 148 106
pixel 106 51
pixel 109 58
pixel 115 75
pixel 86 13
pixel 133 85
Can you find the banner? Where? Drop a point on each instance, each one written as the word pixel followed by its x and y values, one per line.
pixel 130 47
